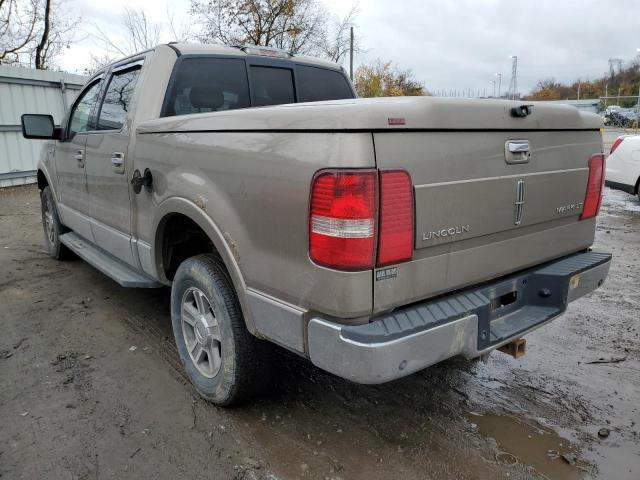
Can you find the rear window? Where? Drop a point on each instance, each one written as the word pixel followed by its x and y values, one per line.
pixel 213 84
pixel 208 85
pixel 318 84
pixel 272 86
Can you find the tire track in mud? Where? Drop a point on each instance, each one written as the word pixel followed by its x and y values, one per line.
pixel 164 345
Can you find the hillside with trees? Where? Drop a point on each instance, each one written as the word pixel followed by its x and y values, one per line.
pixel 618 81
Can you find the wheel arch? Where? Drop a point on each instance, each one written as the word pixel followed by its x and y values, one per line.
pixel 166 212
pixel 42 179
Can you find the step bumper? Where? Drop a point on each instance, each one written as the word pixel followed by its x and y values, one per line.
pixel 469 323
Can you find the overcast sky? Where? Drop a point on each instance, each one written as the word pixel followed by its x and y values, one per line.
pixel 447 44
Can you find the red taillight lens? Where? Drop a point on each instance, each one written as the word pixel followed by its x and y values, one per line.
pixel 593 197
pixel 342 227
pixel 616 144
pixel 396 218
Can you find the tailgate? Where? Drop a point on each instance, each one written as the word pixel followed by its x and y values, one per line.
pixel 482 208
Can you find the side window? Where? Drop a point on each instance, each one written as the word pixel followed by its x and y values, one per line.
pixel 79 121
pixel 272 86
pixel 207 85
pixel 117 99
pixel 318 84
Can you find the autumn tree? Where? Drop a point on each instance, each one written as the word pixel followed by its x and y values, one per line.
pixel 548 89
pixel 296 26
pixel 382 79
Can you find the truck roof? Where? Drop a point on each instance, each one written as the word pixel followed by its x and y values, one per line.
pixel 217 49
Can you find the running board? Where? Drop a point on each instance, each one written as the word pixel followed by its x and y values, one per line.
pixel 119 271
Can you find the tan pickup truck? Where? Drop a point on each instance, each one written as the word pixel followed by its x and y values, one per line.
pixel 375 237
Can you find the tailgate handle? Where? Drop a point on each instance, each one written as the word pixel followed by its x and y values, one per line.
pixel 517 151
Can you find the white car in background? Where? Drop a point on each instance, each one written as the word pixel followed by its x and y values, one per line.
pixel 623 165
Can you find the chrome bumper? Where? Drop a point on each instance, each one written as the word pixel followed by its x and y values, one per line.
pixel 470 323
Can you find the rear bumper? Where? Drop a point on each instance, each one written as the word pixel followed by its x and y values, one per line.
pixel 468 323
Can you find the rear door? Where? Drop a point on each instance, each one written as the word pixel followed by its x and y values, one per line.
pixel 108 165
pixel 70 157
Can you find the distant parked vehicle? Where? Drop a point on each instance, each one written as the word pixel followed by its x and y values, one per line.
pixel 616 119
pixel 623 165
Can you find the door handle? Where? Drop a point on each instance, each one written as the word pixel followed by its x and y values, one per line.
pixel 517 151
pixel 519 146
pixel 117 160
pixel 79 156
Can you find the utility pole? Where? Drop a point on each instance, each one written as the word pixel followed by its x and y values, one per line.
pixel 493 82
pixel 513 85
pixel 499 75
pixel 578 90
pixel 606 94
pixel 351 55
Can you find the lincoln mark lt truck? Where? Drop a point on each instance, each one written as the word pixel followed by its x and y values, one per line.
pixel 374 237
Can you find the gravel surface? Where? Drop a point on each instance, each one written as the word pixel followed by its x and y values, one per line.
pixel 91 387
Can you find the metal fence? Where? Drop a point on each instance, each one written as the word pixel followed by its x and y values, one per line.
pixel 24 90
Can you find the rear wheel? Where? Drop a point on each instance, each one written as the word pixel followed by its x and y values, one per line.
pixel 223 360
pixel 53 228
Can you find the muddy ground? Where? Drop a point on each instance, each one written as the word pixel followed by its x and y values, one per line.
pixel 91 387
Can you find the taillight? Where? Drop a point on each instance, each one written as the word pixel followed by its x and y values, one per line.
pixel 593 197
pixel 616 144
pixel 395 242
pixel 342 224
pixel 344 218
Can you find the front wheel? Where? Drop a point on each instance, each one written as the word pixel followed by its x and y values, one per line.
pixel 223 360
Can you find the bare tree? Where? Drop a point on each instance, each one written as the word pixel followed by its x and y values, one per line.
pixel 336 41
pixel 18 28
pixel 135 33
pixel 34 32
pixel 296 26
pixel 178 32
pixel 138 33
pixel 44 38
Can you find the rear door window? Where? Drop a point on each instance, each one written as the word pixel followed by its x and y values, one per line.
pixel 318 84
pixel 272 86
pixel 208 85
pixel 117 100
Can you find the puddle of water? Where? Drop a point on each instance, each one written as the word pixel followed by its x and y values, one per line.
pixel 540 448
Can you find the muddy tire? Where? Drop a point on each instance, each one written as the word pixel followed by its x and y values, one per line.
pixel 52 226
pixel 225 363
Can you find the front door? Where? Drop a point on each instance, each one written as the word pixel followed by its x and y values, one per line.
pixel 70 158
pixel 108 166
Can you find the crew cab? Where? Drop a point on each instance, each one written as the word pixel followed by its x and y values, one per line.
pixel 374 237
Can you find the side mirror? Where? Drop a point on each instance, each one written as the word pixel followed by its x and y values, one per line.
pixel 40 127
